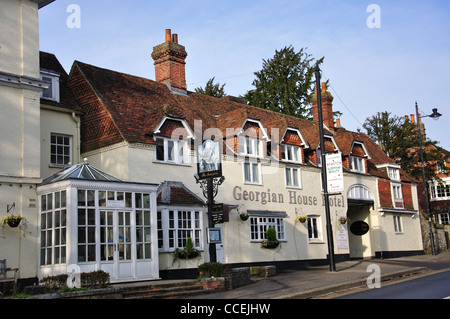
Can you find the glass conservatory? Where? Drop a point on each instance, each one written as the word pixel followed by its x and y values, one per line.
pixel 95 221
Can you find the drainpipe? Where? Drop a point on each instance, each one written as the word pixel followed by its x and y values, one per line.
pixel 77 121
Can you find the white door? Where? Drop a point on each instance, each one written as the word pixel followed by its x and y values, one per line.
pixel 220 248
pixel 117 244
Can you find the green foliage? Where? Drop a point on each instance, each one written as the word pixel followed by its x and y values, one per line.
pixel 93 279
pixel 212 89
pixel 187 253
pixel 271 239
pixel 271 234
pixel 398 138
pixel 285 84
pixel 210 269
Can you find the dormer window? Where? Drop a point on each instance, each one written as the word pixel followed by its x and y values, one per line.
pixel 393 173
pixel 171 151
pixel 52 93
pixel 172 137
pixel 357 157
pixel 357 164
pixel 251 146
pixel 290 153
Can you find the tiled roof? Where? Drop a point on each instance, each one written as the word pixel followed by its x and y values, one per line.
pixel 137 105
pixel 48 61
pixel 175 193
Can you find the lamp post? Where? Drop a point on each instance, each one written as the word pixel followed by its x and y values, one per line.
pixel 324 175
pixel 435 115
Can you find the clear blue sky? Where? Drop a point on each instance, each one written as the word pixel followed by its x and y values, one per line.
pixel 406 59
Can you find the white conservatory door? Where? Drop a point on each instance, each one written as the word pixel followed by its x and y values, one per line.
pixel 117 244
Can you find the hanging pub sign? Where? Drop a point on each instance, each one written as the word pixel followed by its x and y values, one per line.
pixel 208 160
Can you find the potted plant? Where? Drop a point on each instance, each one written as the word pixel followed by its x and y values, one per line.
pixel 12 221
pixel 188 252
pixel 302 219
pixel 271 241
pixel 244 216
pixel 343 220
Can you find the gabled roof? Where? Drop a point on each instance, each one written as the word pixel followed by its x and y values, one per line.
pixel 67 101
pixel 175 193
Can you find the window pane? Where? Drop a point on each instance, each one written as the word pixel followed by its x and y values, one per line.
pixel 247 172
pixel 255 172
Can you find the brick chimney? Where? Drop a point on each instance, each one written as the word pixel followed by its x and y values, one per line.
pixel 170 63
pixel 327 107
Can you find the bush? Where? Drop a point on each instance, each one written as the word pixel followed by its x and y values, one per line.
pixel 93 279
pixel 271 234
pixel 187 253
pixel 211 269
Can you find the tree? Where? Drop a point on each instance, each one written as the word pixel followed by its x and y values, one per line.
pixel 212 89
pixel 398 138
pixel 285 83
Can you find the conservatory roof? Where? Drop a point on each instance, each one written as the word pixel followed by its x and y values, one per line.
pixel 82 171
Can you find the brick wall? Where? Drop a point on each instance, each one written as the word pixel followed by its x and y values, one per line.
pixel 384 193
pixel 97 128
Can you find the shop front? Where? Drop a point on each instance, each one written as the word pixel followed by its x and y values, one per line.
pixel 90 220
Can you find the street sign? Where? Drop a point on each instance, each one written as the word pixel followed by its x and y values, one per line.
pixel 335 177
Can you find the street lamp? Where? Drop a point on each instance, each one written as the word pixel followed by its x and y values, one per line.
pixel 435 115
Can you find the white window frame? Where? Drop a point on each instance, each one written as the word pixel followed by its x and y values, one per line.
pixel 291 153
pixel 440 191
pixel 53 228
pixel 174 156
pixel 254 175
pixel 357 164
pixel 251 146
pixel 315 233
pixel 57 154
pixel 442 218
pixel 54 85
pixel 292 174
pixel 259 225
pixel 173 222
pixel 393 173
pixel 398 226
pixel 397 196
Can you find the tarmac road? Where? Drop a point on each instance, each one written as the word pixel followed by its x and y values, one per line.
pixel 428 286
pixel 317 281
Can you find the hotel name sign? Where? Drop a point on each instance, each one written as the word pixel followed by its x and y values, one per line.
pixel 292 197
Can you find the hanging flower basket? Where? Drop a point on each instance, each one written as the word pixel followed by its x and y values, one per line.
pixel 343 220
pixel 270 244
pixel 12 221
pixel 244 216
pixel 302 219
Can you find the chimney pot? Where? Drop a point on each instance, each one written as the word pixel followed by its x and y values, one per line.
pixel 168 35
pixel 413 118
pixel 324 87
pixel 170 63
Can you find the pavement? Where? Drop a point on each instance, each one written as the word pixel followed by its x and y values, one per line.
pixel 315 282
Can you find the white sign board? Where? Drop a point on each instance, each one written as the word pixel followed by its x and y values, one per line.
pixel 335 177
pixel 342 239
